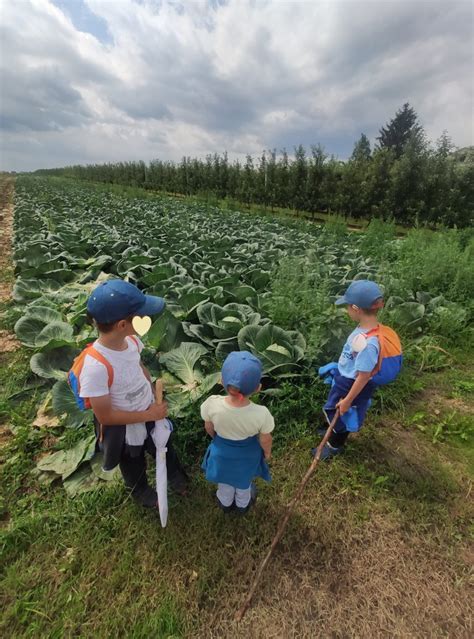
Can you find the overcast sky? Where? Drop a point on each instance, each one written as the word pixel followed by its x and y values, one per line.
pixel 103 80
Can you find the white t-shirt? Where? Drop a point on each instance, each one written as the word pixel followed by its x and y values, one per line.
pixel 236 423
pixel 130 389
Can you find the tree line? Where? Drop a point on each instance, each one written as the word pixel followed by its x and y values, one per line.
pixel 404 177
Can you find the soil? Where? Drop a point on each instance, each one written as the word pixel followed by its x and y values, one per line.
pixel 6 220
pixel 8 342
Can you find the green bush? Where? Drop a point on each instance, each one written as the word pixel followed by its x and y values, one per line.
pixel 441 263
pixel 377 240
pixel 302 298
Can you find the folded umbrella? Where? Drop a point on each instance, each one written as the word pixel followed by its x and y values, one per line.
pixel 160 435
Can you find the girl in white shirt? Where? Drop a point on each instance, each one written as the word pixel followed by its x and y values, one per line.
pixel 241 434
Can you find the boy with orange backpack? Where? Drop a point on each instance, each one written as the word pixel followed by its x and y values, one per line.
pixel 108 377
pixel 371 357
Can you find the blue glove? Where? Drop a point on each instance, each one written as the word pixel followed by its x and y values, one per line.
pixel 327 372
pixel 350 419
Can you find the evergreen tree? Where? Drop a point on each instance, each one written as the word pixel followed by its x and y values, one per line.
pixel 362 150
pixel 298 173
pixel 400 130
pixel 316 172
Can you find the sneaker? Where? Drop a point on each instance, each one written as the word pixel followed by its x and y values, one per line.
pixel 225 509
pixel 327 452
pixel 147 497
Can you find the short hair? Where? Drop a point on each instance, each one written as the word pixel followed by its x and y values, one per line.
pixel 375 307
pixel 106 327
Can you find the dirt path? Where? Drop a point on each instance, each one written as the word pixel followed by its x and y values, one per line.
pixel 8 343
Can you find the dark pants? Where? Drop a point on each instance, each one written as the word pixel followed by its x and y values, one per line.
pixel 131 459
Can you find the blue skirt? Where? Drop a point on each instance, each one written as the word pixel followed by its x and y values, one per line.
pixel 235 462
pixel 353 419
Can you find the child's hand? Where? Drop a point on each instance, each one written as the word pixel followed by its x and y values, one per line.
pixel 267 457
pixel 343 405
pixel 157 411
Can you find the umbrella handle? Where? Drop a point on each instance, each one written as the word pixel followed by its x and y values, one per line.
pixel 159 391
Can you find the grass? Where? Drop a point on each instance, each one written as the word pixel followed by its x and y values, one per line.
pixel 379 545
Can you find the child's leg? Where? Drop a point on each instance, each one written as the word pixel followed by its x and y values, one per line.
pixel 133 471
pixel 225 494
pixel 242 497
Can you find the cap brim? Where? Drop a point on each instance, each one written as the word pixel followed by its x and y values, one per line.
pixel 341 300
pixel 152 306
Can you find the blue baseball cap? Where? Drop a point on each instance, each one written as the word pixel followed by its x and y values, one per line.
pixel 242 370
pixel 361 293
pixel 114 300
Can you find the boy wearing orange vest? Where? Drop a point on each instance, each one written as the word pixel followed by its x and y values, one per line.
pixel 371 357
pixel 116 385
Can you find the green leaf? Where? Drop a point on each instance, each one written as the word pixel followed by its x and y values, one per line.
pixel 82 481
pixel 164 333
pixel 27 330
pixel 64 403
pixel 65 462
pixel 55 334
pixel 25 290
pixel 53 364
pixel 44 313
pixel 279 350
pixel 181 361
pixel 177 402
pixel 107 475
pixel 276 348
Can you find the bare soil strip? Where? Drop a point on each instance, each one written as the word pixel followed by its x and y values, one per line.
pixel 8 342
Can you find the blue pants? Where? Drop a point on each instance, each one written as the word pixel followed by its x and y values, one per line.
pixel 342 385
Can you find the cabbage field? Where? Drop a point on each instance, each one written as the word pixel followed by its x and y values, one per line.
pixel 218 271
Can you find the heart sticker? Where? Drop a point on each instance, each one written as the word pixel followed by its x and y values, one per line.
pixel 141 324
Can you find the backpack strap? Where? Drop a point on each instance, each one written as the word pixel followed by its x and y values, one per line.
pixel 375 332
pixel 100 358
pixel 135 341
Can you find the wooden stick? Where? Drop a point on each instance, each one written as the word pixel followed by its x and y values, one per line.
pixel 284 520
pixel 159 391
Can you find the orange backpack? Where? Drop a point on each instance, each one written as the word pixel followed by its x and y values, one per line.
pixel 390 355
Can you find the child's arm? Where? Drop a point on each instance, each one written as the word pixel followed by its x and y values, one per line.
pixel 265 440
pixel 102 407
pixel 209 426
pixel 360 382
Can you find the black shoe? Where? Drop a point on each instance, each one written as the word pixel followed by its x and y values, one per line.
pixel 253 498
pixel 147 497
pixel 179 483
pixel 225 509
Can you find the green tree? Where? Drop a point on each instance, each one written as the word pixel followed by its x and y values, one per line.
pixel 362 150
pixel 298 174
pixel 402 128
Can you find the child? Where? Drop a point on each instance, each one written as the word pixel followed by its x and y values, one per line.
pixel 125 411
pixel 360 368
pixel 240 431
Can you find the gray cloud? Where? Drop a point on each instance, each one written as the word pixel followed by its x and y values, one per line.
pixel 40 99
pixel 199 78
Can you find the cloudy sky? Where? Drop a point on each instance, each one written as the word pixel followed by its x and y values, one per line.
pixel 103 80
